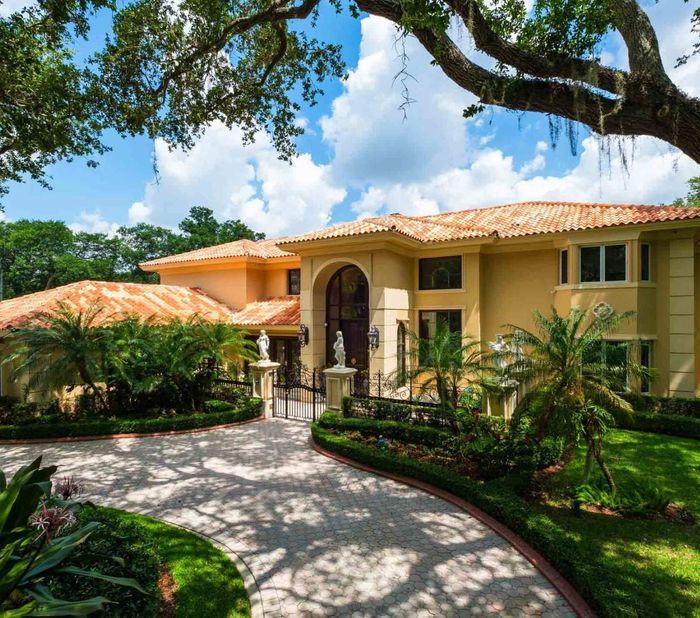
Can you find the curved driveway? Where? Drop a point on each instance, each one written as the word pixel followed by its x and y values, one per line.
pixel 319 537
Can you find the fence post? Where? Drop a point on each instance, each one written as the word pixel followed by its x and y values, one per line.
pixel 263 384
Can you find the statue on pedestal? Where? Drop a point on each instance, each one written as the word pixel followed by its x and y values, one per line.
pixel 339 350
pixel 263 346
pixel 500 349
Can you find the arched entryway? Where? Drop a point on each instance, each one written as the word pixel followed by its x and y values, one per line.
pixel 347 310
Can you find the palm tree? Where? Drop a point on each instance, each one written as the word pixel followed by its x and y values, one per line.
pixel 572 389
pixel 60 349
pixel 445 364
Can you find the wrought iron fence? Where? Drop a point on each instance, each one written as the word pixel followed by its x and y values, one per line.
pixel 299 393
pixel 227 389
pixel 393 388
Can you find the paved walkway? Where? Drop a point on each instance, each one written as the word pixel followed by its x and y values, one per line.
pixel 320 538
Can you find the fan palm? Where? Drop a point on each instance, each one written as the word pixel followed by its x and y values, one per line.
pixel 61 349
pixel 572 390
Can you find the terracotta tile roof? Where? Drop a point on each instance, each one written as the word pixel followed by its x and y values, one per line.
pixel 507 221
pixel 263 249
pixel 280 311
pixel 118 299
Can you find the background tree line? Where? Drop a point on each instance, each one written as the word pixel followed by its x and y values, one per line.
pixel 38 255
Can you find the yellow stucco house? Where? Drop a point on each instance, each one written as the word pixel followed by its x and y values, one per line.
pixel 475 269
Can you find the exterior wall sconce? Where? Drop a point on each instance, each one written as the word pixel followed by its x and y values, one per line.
pixel 303 335
pixel 373 337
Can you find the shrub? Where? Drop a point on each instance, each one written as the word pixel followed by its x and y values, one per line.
pixel 62 428
pixel 673 406
pixel 387 410
pixel 681 426
pixel 217 405
pixel 644 499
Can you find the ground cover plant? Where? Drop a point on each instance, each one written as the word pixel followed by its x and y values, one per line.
pixel 185 574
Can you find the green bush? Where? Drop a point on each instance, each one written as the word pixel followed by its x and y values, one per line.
pixel 217 405
pixel 69 428
pixel 384 410
pixel 673 406
pixel 681 426
pixel 643 499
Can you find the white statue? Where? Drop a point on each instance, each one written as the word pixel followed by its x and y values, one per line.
pixel 264 346
pixel 517 347
pixel 339 350
pixel 500 349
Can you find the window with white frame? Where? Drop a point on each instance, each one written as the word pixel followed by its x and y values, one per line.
pixel 603 263
pixel 645 360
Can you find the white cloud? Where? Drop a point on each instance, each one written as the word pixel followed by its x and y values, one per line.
pixel 655 176
pixel 94 223
pixel 366 130
pixel 139 213
pixel 7 7
pixel 248 183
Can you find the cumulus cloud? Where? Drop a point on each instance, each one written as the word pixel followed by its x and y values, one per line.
pixel 239 182
pixel 94 223
pixel 655 176
pixel 371 141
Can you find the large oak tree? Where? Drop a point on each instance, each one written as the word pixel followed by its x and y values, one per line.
pixel 169 69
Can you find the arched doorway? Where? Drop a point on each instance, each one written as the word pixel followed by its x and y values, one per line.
pixel 347 310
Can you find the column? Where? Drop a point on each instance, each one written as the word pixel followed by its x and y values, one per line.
pixel 263 373
pixel 338 386
pixel 682 318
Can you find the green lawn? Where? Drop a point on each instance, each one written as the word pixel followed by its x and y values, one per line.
pixel 207 583
pixel 642 568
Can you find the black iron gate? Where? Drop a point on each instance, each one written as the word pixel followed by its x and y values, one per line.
pixel 298 393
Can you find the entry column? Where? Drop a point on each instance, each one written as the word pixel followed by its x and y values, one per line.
pixel 682 318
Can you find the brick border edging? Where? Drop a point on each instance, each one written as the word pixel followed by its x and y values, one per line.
pixel 570 594
pixel 120 436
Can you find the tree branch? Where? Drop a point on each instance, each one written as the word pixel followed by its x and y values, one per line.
pixel 277 13
pixel 640 38
pixel 279 54
pixel 563 67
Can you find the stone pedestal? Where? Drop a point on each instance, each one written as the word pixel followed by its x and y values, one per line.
pixel 503 404
pixel 338 385
pixel 263 373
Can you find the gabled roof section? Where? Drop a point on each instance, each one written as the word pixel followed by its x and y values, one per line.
pixel 261 249
pixel 119 300
pixel 279 311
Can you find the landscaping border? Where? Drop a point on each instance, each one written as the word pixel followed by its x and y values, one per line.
pixel 572 596
pixel 73 432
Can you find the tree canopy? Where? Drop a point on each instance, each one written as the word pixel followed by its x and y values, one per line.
pixel 170 69
pixel 38 255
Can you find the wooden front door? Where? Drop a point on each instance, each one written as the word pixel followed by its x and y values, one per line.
pixel 347 310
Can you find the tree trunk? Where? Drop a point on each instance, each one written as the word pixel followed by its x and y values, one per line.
pixel 589 464
pixel 604 469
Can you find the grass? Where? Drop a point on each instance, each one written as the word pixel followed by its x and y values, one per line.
pixel 206 582
pixel 647 568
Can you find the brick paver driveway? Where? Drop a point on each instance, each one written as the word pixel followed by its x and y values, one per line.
pixel 319 537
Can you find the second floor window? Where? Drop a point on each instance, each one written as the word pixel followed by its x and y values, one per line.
pixel 564 266
pixel 603 263
pixel 441 273
pixel 645 270
pixel 294 281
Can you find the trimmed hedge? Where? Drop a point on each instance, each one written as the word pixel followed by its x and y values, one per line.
pixel 681 426
pixel 249 410
pixel 673 406
pixel 415 434
pixel 498 498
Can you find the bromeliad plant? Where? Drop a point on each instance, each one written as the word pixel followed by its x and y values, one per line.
pixel 572 389
pixel 37 537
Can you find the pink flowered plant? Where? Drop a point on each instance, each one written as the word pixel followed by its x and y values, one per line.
pixel 52 521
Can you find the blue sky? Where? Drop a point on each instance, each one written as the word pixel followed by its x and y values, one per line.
pixel 359 156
